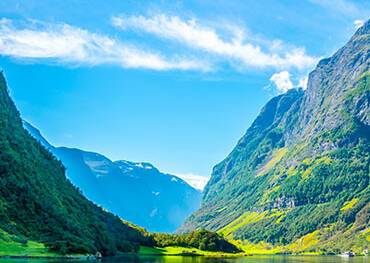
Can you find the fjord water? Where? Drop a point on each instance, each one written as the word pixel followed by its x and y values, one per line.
pixel 189 259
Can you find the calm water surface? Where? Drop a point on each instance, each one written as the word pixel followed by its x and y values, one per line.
pixel 182 259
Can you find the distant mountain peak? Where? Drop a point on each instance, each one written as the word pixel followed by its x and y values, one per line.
pixel 133 190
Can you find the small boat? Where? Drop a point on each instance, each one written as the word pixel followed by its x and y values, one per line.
pixel 347 254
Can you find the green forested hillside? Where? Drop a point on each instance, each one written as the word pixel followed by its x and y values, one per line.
pixel 38 203
pixel 299 178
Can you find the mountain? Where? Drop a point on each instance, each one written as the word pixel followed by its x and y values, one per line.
pixel 38 203
pixel 299 177
pixel 138 192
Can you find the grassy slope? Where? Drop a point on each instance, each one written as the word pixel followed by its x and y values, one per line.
pixel 11 245
pixel 311 243
pixel 31 249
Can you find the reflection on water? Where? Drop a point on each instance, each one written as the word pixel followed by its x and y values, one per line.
pixel 181 259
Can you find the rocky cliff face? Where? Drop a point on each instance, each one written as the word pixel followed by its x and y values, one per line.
pixel 324 100
pixel 302 168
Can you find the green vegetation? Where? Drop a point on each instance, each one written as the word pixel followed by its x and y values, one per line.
pixel 349 205
pixel 30 249
pixel 261 248
pixel 14 245
pixel 201 239
pixel 200 242
pixel 278 155
pixel 38 203
pixel 305 243
pixel 245 219
pixel 362 86
pixel 317 207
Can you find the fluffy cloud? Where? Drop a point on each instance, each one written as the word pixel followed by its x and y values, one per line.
pixel 63 43
pixel 282 81
pixel 200 37
pixel 66 44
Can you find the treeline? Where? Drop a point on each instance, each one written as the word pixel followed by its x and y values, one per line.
pixel 200 239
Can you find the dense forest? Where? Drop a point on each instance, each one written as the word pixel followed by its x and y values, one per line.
pixel 201 239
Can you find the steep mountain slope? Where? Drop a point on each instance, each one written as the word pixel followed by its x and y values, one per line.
pixel 301 171
pixel 138 192
pixel 37 202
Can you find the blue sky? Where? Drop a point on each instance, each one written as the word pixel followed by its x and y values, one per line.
pixel 174 83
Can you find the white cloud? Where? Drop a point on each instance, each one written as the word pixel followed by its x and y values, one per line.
pixel 196 181
pixel 63 43
pixel 282 81
pixel 235 47
pixel 359 23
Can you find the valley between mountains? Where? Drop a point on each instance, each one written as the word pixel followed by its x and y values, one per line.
pixel 296 182
pixel 137 192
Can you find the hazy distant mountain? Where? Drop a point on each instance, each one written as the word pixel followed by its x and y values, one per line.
pixel 300 174
pixel 138 192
